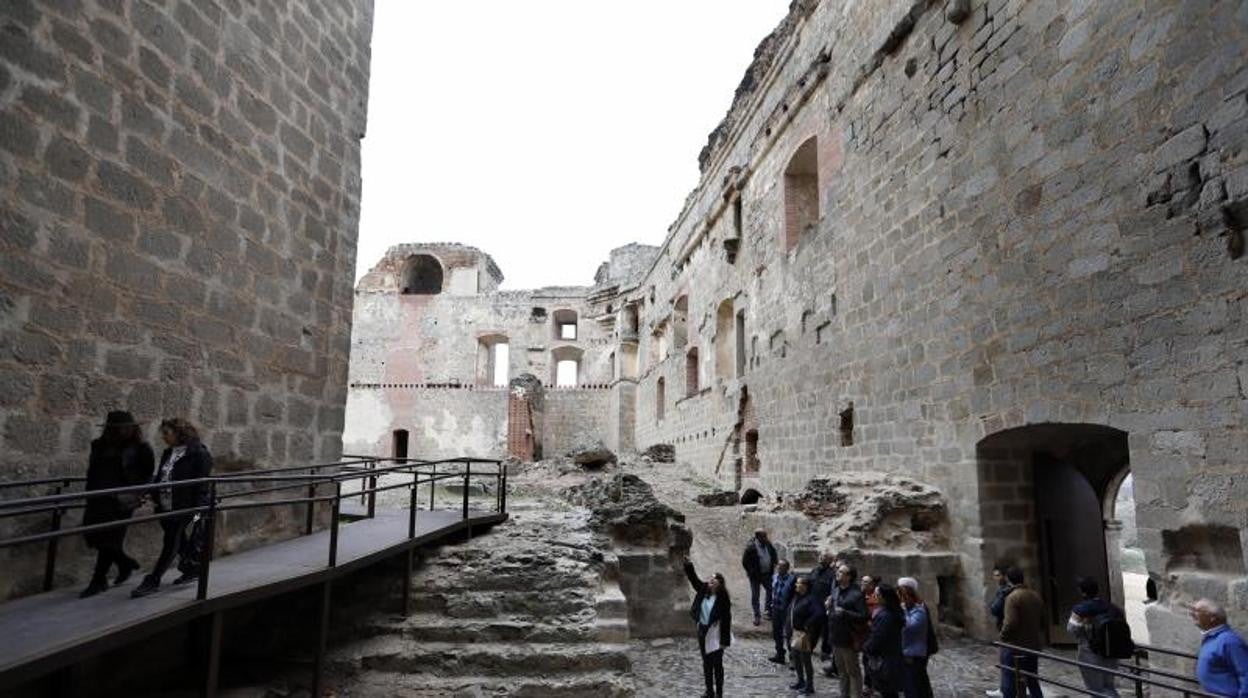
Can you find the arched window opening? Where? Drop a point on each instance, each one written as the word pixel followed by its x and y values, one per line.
pixel 740 343
pixel 493 360
pixel 801 193
pixel 566 363
pixel 565 373
pixel 565 325
pixel 422 275
pixel 691 373
pixel 660 399
pixel 680 322
pixel 725 342
pixel 847 425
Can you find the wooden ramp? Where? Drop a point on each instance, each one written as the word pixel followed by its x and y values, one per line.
pixel 39 634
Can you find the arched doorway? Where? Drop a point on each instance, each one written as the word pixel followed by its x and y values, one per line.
pixel 1042 489
pixel 1128 574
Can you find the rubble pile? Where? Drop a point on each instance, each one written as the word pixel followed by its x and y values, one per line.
pixel 624 507
pixel 592 456
pixel 660 453
pixel 725 498
pixel 874 512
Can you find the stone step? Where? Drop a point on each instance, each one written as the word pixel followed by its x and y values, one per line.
pixel 536 604
pixel 613 630
pixel 405 656
pixel 428 627
pixel 610 602
pixel 386 685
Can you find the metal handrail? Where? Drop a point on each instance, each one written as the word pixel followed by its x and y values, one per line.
pixel 1134 676
pixel 1145 649
pixel 59 502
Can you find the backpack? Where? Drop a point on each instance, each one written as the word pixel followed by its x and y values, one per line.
pixel 932 645
pixel 1111 636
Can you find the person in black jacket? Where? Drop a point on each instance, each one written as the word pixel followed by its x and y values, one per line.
pixel 822 579
pixel 186 458
pixel 759 561
pixel 847 621
pixel 712 612
pixel 883 645
pixel 808 618
pixel 119 458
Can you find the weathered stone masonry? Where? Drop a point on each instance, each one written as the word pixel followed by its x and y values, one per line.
pixel 979 250
pixel 179 198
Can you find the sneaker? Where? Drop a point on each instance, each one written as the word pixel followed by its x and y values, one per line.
pixel 758 621
pixel 994 693
pixel 186 578
pixel 147 587
pixel 124 571
pixel 96 586
pixel 799 686
pixel 776 659
pixel 808 691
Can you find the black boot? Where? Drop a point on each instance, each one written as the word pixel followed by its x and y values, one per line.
pixel 150 585
pixel 97 585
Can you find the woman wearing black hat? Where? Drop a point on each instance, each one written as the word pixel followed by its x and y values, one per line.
pixel 119 458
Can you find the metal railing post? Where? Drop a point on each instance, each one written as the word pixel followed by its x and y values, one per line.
pixel 411 509
pixel 333 524
pixel 467 475
pixel 498 487
pixel 503 506
pixel 310 516
pixel 372 487
pixel 210 531
pixel 49 562
pixel 1139 685
pixel 1019 685
pixel 433 485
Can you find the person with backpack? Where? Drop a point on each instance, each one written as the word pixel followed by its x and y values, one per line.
pixel 1104 637
pixel 918 639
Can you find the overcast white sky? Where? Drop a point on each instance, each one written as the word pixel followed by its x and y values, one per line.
pixel 545 132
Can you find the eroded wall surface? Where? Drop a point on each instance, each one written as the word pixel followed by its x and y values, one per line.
pixel 179 199
pixel 1033 216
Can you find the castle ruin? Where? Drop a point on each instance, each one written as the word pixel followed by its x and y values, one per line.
pixel 996 247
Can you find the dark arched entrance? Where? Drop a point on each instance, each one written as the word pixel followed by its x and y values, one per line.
pixel 1042 494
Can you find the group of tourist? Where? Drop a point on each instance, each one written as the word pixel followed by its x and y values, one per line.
pixel 876 638
pixel 121 458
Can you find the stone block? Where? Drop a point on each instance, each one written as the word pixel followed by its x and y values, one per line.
pixel 65 159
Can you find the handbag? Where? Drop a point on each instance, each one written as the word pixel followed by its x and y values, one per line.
pixel 801 642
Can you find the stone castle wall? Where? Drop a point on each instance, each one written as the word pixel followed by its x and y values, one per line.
pixel 179 198
pixel 1033 216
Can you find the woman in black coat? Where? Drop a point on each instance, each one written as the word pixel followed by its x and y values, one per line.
pixel 119 458
pixel 884 660
pixel 808 618
pixel 712 611
pixel 185 458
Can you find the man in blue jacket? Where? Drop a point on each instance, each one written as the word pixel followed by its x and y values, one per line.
pixel 1222 663
pixel 781 600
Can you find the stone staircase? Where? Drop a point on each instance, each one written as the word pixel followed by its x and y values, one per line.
pixel 522 611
